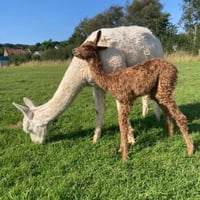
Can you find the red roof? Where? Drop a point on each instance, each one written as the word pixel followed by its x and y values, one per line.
pixel 10 51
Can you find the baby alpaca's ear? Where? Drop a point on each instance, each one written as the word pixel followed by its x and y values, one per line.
pixel 98 36
pixel 101 48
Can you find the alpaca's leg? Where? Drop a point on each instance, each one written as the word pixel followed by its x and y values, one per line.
pixel 131 139
pixel 99 97
pixel 145 107
pixel 123 124
pixel 168 118
pixel 181 122
pixel 157 111
pixel 169 105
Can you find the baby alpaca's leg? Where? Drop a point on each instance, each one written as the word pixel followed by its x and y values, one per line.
pixel 131 139
pixel 124 128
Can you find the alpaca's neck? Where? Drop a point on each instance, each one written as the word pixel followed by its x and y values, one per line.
pixel 71 84
pixel 97 71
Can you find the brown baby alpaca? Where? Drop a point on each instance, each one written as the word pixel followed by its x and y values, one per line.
pixel 155 77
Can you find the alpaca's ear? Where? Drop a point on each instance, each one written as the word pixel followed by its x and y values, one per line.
pixel 101 48
pixel 26 111
pixel 97 37
pixel 28 102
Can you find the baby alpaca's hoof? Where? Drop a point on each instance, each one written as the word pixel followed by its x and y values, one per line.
pixel 124 157
pixel 191 150
pixel 120 149
pixel 124 154
pixel 130 136
pixel 131 140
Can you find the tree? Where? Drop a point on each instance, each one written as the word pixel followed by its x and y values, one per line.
pixel 21 58
pixel 191 21
pixel 35 47
pixel 47 44
pixel 55 54
pixel 112 17
pixel 1 51
pixel 191 15
pixel 149 13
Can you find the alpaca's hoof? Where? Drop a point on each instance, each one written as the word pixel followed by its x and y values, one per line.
pixel 124 153
pixel 124 156
pixel 97 135
pixel 131 139
pixel 191 150
pixel 120 149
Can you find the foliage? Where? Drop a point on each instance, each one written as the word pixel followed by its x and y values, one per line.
pixel 35 47
pixel 191 21
pixel 55 54
pixel 47 44
pixel 69 166
pixel 1 51
pixel 146 13
pixel 112 17
pixel 18 59
pixel 191 15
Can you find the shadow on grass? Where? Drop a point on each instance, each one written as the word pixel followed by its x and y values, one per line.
pixel 192 111
pixel 71 135
pixel 81 133
pixel 140 124
pixel 147 125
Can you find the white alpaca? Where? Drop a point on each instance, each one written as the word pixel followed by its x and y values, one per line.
pixel 127 46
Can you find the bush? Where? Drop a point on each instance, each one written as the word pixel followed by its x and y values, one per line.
pixel 55 54
pixel 18 59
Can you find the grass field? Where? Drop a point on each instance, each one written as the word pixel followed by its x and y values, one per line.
pixel 69 166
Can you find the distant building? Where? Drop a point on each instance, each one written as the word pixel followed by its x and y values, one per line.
pixel 14 51
pixel 57 46
pixel 4 61
pixel 37 53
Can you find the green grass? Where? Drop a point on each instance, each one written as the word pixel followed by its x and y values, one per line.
pixel 69 166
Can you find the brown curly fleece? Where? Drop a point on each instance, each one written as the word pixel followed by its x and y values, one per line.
pixel 156 77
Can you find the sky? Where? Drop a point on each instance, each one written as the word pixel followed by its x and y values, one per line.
pixel 33 21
